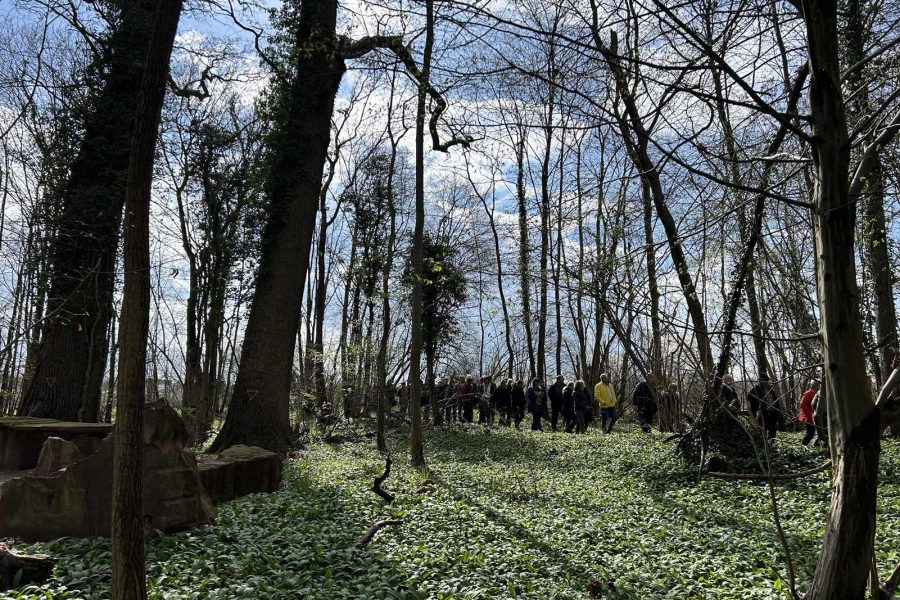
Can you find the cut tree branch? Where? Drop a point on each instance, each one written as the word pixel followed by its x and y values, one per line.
pixel 365 538
pixel 358 48
pixel 767 477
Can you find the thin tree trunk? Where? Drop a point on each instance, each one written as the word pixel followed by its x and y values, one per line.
pixel 652 284
pixel 560 256
pixel 633 122
pixel 384 390
pixel 111 377
pixel 128 579
pixel 545 219
pixel 416 443
pixel 524 279
pixel 507 329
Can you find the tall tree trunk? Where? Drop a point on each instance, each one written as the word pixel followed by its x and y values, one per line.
pixel 507 329
pixel 560 259
pixel 545 222
pixel 854 423
pixel 128 580
pixel 71 360
pixel 632 122
pixel 580 326
pixel 857 34
pixel 384 390
pixel 318 347
pixel 524 279
pixel 259 413
pixel 416 443
pixel 652 285
pixel 759 344
pixel 111 377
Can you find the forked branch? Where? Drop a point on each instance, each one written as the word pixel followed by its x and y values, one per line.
pixel 394 43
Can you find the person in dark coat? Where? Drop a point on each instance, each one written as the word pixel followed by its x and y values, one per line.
pixel 568 407
pixel 555 394
pixel 729 394
pixel 503 400
pixel 536 402
pixel 582 407
pixel 764 405
pixel 486 391
pixel 466 393
pixel 519 402
pixel 644 399
pixel 440 392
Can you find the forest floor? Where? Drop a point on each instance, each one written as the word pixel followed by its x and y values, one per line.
pixel 507 514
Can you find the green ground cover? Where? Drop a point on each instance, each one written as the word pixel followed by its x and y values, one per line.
pixel 508 514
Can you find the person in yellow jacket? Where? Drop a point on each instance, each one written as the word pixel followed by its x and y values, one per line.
pixel 605 396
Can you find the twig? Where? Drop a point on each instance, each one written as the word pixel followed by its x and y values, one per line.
pixel 890 586
pixel 788 560
pixel 376 486
pixel 874 584
pixel 377 526
pixel 767 476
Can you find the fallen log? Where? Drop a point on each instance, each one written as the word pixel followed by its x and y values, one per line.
pixel 766 476
pixel 365 538
pixel 20 569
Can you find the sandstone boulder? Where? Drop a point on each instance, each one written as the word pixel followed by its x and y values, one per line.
pixel 75 499
pixel 57 454
pixel 238 471
pixel 22 438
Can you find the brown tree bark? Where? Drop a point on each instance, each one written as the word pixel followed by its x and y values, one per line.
pixel 71 359
pixel 259 413
pixel 854 423
pixel 128 580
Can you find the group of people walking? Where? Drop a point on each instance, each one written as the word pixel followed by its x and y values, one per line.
pixel 765 409
pixel 567 405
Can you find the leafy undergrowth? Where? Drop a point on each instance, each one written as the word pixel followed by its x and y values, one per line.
pixel 505 514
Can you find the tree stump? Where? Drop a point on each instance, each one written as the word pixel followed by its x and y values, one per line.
pixel 18 569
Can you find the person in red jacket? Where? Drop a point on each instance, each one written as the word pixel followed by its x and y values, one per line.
pixel 807 411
